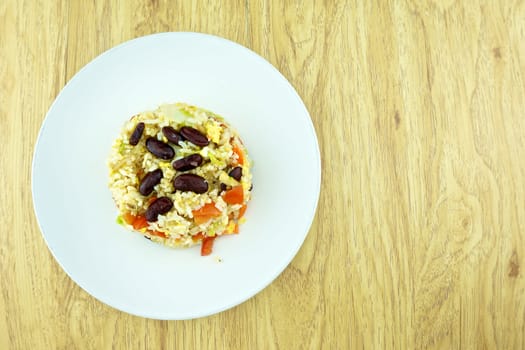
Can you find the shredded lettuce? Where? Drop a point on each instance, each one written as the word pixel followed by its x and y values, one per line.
pixel 176 114
pixel 228 180
pixel 215 161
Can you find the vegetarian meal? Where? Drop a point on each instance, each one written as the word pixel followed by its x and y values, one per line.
pixel 180 176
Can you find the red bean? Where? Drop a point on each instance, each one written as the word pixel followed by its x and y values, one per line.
pixel 149 181
pixel 188 163
pixel 160 206
pixel 159 148
pixel 172 135
pixel 194 136
pixel 236 173
pixel 137 134
pixel 190 182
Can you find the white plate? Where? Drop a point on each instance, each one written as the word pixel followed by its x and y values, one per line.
pixel 74 207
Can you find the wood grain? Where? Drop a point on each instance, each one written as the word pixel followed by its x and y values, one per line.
pixel 418 241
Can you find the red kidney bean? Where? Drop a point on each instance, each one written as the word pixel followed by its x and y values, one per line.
pixel 190 182
pixel 137 134
pixel 160 206
pixel 236 173
pixel 188 163
pixel 194 136
pixel 172 135
pixel 159 148
pixel 149 181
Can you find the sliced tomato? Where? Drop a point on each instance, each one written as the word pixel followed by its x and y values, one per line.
pixel 140 222
pixel 199 236
pixel 199 220
pixel 157 233
pixel 205 213
pixel 242 211
pixel 207 245
pixel 234 196
pixel 128 218
pixel 207 210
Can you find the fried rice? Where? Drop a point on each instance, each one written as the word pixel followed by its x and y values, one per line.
pixel 187 215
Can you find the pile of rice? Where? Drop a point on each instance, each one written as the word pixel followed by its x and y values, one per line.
pixel 128 164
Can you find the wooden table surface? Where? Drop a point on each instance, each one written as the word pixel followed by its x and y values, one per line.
pixel 419 237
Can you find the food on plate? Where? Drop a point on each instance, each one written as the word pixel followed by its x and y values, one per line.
pixel 180 176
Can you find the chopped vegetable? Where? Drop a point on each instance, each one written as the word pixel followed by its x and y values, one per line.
pixel 199 220
pixel 227 179
pixel 233 227
pixel 208 209
pixel 176 114
pixel 242 211
pixel 157 233
pixel 199 236
pixel 240 155
pixel 140 222
pixel 213 130
pixel 119 220
pixel 128 218
pixel 229 228
pixel 215 161
pixel 205 213
pixel 212 229
pixel 234 196
pixel 207 245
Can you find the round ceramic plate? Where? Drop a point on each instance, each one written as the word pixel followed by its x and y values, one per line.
pixel 77 215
